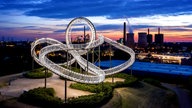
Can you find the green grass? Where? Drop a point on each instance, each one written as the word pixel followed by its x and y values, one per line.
pixel 143 97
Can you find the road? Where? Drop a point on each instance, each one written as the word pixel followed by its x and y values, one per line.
pixel 185 101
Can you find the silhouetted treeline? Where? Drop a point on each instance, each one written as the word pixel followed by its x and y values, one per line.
pixel 15 58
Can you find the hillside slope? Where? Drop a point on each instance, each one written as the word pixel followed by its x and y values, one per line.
pixel 144 96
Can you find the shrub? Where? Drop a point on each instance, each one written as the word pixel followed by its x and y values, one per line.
pixel 103 91
pixel 43 97
pixel 152 82
pixel 37 73
pixel 93 100
pixel 120 75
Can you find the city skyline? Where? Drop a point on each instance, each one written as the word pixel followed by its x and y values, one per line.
pixel 22 20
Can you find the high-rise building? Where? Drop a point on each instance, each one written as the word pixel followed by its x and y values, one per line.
pixel 149 38
pixel 142 41
pixel 159 38
pixel 130 40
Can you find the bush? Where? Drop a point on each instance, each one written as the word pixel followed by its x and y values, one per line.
pixel 120 75
pixel 37 73
pixel 104 91
pixel 43 97
pixel 94 100
pixel 152 82
pixel 94 88
pixel 129 81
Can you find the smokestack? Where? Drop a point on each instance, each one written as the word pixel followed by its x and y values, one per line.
pixel 148 30
pixel 124 34
pixel 159 30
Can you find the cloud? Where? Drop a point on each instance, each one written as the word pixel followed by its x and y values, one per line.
pixel 140 12
pixel 190 26
pixel 111 8
pixel 52 16
pixel 178 29
pixel 164 20
pixel 61 25
pixel 36 28
pixel 59 31
pixel 109 27
pixel 24 2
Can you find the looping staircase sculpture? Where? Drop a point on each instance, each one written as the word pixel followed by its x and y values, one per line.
pixel 96 74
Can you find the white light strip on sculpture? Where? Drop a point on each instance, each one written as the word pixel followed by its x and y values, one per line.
pixel 96 75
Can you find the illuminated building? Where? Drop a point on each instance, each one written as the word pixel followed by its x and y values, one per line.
pixel 163 58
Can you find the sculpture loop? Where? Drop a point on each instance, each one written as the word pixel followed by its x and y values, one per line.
pixel 96 74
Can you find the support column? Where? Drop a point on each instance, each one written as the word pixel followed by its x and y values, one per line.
pixel 70 61
pixel 93 55
pixel 45 77
pixel 131 70
pixel 87 60
pixel 32 63
pixel 99 57
pixel 99 60
pixel 84 35
pixel 65 88
pixel 110 61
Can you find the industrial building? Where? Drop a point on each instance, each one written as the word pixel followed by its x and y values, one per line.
pixel 130 40
pixel 159 38
pixel 149 38
pixel 142 40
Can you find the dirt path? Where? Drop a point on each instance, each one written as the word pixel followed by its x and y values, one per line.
pixel 185 101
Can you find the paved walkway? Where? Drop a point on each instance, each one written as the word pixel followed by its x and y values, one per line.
pixel 9 78
pixel 185 101
pixel 20 84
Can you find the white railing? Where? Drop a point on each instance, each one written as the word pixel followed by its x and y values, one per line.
pixel 96 75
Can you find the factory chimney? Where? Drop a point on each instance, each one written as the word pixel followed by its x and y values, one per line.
pixel 148 31
pixel 149 38
pixel 84 35
pixel 159 30
pixel 124 34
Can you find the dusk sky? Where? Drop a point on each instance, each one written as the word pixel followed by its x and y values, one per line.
pixel 30 19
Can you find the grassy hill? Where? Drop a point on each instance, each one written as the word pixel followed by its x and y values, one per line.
pixel 144 96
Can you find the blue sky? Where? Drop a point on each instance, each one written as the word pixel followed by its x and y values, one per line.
pixel 29 19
